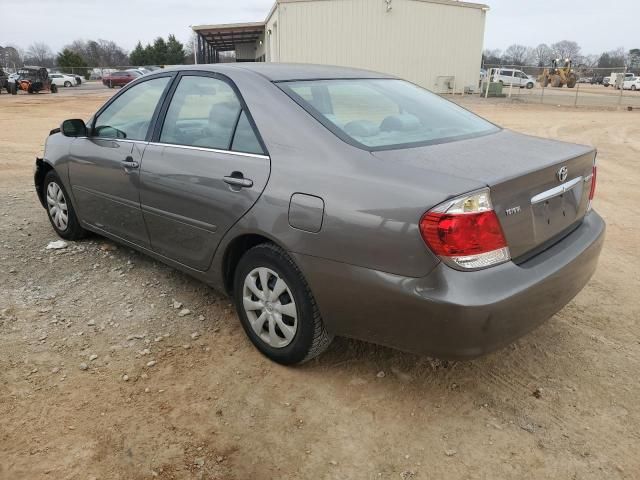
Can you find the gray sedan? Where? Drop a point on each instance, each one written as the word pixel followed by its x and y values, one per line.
pixel 332 201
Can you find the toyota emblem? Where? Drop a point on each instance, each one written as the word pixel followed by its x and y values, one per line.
pixel 562 174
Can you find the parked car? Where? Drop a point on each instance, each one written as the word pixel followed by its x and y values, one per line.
pixel 518 78
pixel 597 80
pixel 632 83
pixel 617 79
pixel 119 79
pixel 62 80
pixel 584 80
pixel 139 71
pixel 408 221
pixel 605 81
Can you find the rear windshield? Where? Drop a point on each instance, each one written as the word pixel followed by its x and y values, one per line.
pixel 381 114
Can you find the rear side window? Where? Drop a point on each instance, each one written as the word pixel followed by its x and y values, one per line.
pixel 206 112
pixel 129 116
pixel 377 114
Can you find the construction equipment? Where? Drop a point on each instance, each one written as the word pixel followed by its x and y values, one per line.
pixel 33 80
pixel 558 76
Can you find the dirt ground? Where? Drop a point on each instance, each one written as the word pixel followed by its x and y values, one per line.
pixel 561 403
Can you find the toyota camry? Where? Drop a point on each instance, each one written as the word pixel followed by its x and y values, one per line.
pixel 333 201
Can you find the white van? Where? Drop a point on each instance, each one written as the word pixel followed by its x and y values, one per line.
pixel 518 78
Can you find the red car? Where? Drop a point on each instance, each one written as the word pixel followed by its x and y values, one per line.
pixel 119 79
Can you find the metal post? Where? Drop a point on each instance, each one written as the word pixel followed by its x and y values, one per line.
pixel 575 102
pixel 624 75
pixel 513 76
pixel 489 75
pixel 195 51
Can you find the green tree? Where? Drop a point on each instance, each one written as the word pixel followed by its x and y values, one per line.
pixel 175 51
pixel 71 62
pixel 634 58
pixel 138 55
pixel 160 51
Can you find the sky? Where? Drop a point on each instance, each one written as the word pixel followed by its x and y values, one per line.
pixel 597 25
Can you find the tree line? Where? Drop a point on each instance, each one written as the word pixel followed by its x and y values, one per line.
pixel 82 55
pixel 543 54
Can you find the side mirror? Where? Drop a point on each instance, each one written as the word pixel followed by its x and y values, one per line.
pixel 73 128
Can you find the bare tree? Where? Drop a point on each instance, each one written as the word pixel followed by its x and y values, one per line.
pixel 542 55
pixel 516 55
pixel 566 49
pixel 40 53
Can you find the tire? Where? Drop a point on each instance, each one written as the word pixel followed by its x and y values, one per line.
pixel 57 199
pixel 54 88
pixel 633 87
pixel 14 89
pixel 529 85
pixel 306 336
pixel 67 84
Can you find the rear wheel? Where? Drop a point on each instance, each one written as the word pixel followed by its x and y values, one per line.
pixel 54 88
pixel 277 308
pixel 61 213
pixel 67 84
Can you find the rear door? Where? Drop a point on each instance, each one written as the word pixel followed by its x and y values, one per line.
pixel 104 167
pixel 204 170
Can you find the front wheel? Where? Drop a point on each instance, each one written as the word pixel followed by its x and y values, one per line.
pixel 54 88
pixel 67 84
pixel 276 306
pixel 61 213
pixel 529 86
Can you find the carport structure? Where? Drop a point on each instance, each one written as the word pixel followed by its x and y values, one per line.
pixel 239 37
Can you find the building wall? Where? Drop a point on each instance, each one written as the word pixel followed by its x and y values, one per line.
pixel 416 40
pixel 246 51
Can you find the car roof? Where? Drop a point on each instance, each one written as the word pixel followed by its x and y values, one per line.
pixel 277 72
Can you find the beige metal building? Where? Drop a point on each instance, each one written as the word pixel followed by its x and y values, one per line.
pixel 435 43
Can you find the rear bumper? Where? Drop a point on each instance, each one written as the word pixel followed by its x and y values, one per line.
pixel 453 314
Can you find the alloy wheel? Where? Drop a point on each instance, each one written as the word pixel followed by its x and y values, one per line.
pixel 57 205
pixel 270 307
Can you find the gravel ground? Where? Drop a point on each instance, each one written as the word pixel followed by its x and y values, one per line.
pixel 113 366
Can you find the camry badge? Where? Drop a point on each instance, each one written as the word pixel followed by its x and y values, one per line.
pixel 562 174
pixel 513 210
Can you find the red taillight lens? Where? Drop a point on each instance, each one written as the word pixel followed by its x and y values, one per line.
pixel 454 235
pixel 465 232
pixel 592 192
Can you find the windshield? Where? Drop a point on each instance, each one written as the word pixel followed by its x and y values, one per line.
pixel 378 114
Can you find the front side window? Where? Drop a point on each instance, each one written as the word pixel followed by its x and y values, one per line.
pixel 206 112
pixel 378 114
pixel 129 116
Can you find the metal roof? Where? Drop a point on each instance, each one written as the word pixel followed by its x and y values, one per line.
pixel 225 36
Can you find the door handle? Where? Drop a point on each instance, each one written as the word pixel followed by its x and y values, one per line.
pixel 236 179
pixel 130 163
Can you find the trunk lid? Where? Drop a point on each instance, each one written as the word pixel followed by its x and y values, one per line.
pixel 536 205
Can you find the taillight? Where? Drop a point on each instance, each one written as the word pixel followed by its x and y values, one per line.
pixel 465 232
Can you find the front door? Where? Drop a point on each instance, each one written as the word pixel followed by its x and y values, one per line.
pixel 104 169
pixel 206 169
